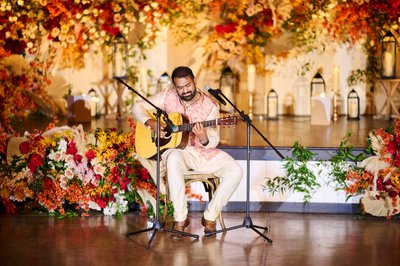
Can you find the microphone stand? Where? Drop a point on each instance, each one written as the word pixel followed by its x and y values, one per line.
pixel 157 225
pixel 247 221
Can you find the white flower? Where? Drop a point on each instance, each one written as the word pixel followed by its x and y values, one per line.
pixel 94 206
pixel 57 156
pixel 69 173
pixel 110 209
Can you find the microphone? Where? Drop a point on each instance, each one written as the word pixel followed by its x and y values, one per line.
pixel 216 93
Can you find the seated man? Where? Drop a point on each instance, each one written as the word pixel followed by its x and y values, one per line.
pixel 200 154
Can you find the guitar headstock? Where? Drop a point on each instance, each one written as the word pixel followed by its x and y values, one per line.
pixel 227 121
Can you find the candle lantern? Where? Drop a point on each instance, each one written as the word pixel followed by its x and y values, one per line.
pixel 388 56
pixel 94 103
pixel 318 86
pixel 227 83
pixel 272 104
pixel 163 82
pixel 120 57
pixel 353 105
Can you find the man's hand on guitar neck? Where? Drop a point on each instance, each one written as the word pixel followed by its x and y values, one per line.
pixel 201 133
pixel 152 124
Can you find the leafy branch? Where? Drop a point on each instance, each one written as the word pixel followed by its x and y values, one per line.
pixel 301 177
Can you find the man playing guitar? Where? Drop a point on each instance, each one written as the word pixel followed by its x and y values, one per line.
pixel 199 155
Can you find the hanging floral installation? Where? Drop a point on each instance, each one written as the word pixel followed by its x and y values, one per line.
pixel 62 34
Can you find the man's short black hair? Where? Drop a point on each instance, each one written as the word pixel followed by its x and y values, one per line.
pixel 181 72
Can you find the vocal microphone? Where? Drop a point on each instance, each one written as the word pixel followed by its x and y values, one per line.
pixel 216 93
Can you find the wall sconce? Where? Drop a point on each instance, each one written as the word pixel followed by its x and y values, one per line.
pixel 388 56
pixel 318 86
pixel 120 57
pixel 272 104
pixel 353 105
pixel 94 103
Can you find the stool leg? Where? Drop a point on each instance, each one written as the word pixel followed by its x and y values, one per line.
pixel 215 182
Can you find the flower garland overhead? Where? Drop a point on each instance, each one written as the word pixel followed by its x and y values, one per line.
pixel 73 28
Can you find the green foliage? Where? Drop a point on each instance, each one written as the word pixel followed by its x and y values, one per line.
pixel 300 177
pixel 301 174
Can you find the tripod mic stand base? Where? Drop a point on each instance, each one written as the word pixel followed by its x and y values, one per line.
pixel 248 223
pixel 157 226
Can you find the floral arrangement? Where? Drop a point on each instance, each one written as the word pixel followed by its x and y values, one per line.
pixel 377 177
pixel 65 170
pixel 374 174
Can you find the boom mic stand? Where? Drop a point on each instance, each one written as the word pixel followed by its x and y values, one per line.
pixel 157 225
pixel 247 222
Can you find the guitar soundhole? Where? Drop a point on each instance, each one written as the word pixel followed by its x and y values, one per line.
pixel 164 141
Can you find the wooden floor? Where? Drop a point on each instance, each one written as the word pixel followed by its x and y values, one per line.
pixel 298 239
pixel 280 133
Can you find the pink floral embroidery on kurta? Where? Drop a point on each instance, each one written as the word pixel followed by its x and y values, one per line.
pixel 197 111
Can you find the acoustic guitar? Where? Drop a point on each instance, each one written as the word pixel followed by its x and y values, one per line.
pixel 177 135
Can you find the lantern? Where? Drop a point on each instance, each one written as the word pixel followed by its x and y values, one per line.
pixel 388 56
pixel 318 86
pixel 163 82
pixel 94 103
pixel 120 57
pixel 353 105
pixel 272 104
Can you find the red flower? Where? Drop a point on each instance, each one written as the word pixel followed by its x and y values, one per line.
pixel 248 29
pixel 101 202
pixel 48 183
pixel 227 28
pixel 396 161
pixel 144 174
pixel 78 158
pixel 91 154
pixel 71 148
pixel 392 147
pixel 25 147
pixel 35 160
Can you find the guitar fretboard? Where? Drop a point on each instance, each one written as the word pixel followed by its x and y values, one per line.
pixel 188 127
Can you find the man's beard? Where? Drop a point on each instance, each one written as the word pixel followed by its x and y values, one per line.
pixel 188 97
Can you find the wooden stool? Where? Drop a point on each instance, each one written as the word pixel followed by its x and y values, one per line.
pixel 210 183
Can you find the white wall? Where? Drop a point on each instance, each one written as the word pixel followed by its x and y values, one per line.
pixel 284 79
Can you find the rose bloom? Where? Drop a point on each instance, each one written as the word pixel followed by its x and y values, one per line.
pixel 91 154
pixel 392 147
pixel 71 148
pixel 35 160
pixel 25 147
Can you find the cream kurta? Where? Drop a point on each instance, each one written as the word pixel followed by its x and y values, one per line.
pixel 194 157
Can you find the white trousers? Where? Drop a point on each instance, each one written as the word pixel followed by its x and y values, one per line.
pixel 223 166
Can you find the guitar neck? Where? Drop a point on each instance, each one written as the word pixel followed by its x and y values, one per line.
pixel 188 127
